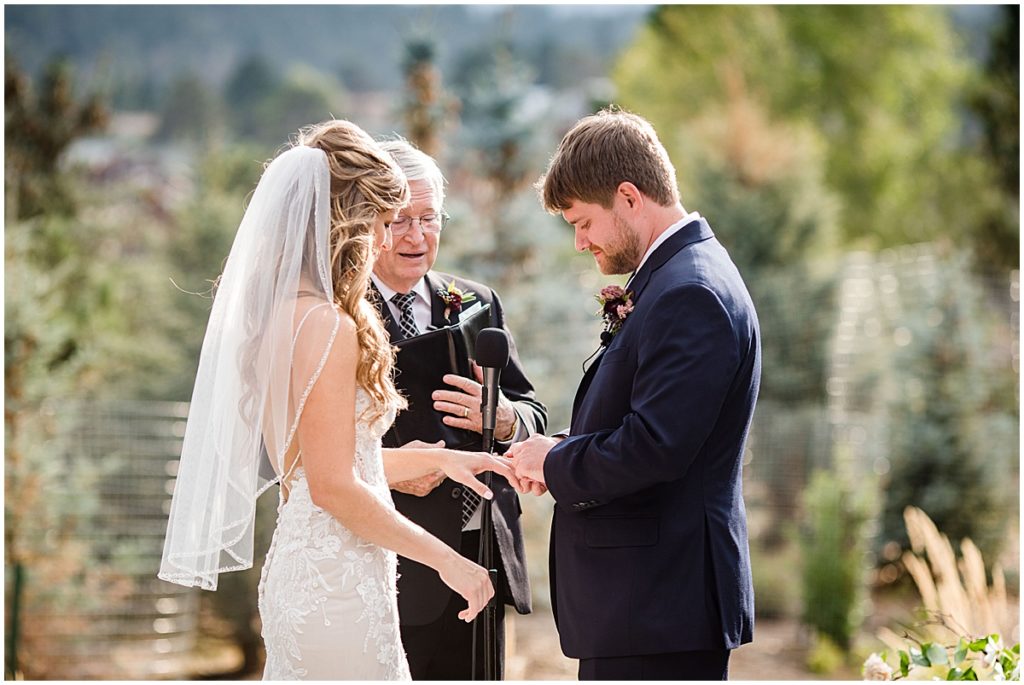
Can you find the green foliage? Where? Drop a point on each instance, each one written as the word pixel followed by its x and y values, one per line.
pixel 776 590
pixel 825 656
pixel 191 111
pixel 426 108
pixel 258 105
pixel 205 227
pixel 983 658
pixel 881 85
pixel 70 327
pixel 40 123
pixel 953 410
pixel 500 130
pixel 834 549
pixel 996 100
pixel 761 185
pixel 305 96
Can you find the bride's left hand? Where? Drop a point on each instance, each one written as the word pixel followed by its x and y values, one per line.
pixel 463 467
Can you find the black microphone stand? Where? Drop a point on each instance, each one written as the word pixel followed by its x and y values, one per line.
pixel 492 344
pixel 487 551
pixel 486 559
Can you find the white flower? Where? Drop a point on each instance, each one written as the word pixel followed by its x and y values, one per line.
pixel 998 672
pixel 876 669
pixel 992 649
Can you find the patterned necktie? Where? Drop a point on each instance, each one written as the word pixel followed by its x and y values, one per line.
pixel 470 501
pixel 407 322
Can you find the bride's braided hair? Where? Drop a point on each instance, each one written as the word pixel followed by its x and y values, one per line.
pixel 365 182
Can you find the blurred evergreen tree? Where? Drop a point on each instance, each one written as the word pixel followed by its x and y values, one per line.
pixel 996 100
pixel 251 82
pixel 761 184
pixel 265 107
pixel 68 327
pixel 501 116
pixel 884 87
pixel 39 125
pixel 426 108
pixel 191 111
pixel 952 408
pixel 204 228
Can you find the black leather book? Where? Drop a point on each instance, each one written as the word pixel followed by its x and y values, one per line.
pixel 422 363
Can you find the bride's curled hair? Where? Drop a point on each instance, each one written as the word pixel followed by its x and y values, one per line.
pixel 365 182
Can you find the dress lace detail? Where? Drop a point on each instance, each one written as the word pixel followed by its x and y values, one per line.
pixel 328 598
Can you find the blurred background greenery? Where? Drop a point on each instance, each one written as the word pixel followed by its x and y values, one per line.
pixel 860 163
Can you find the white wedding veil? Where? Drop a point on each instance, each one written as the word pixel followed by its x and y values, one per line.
pixel 244 408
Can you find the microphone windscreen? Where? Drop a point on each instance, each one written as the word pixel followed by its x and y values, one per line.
pixel 492 348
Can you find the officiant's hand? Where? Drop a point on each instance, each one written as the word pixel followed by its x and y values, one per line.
pixel 424 485
pixel 528 457
pixel 464 406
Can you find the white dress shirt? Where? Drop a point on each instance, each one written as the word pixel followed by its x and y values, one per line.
pixel 669 232
pixel 420 306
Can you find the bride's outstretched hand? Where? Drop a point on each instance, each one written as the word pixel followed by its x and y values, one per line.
pixel 463 467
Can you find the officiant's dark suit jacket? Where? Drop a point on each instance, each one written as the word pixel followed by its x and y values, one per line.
pixel 422 596
pixel 649 538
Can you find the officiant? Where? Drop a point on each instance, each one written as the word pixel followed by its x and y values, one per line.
pixel 414 300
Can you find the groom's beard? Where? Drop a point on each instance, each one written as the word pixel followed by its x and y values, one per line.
pixel 623 254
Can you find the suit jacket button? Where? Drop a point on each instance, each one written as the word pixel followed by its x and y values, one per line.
pixel 456 493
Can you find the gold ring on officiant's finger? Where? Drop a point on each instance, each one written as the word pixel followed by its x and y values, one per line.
pixel 465 412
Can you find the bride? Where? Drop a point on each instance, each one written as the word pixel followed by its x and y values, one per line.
pixel 295 387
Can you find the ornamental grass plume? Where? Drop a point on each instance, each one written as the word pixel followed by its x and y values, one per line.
pixel 955 589
pixel 961 640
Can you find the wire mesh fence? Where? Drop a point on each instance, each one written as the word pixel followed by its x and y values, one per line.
pixel 119 621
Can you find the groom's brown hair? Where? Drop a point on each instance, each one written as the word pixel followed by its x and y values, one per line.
pixel 600 152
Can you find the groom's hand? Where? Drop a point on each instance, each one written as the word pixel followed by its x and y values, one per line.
pixel 529 457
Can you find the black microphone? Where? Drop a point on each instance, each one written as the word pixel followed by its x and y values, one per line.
pixel 492 356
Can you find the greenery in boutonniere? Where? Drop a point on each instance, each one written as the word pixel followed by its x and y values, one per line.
pixel 454 298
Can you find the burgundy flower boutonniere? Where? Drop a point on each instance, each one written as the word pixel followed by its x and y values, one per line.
pixel 454 298
pixel 616 306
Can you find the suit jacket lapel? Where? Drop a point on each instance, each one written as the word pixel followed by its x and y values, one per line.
pixel 581 390
pixel 693 232
pixel 374 295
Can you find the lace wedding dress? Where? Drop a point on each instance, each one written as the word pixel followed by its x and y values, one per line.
pixel 328 599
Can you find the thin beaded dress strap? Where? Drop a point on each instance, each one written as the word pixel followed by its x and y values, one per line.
pixel 305 395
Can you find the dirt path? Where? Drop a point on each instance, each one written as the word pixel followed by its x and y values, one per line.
pixel 534 654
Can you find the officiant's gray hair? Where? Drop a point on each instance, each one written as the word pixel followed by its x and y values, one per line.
pixel 416 164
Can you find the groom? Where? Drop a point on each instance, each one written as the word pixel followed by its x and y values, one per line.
pixel 649 564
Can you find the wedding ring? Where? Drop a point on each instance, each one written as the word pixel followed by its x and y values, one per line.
pixel 465 412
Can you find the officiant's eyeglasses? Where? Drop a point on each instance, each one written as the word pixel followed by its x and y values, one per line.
pixel 429 223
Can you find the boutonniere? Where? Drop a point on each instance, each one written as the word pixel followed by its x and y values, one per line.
pixel 454 298
pixel 616 306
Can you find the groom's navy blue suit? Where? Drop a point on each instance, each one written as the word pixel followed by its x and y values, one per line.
pixel 649 547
